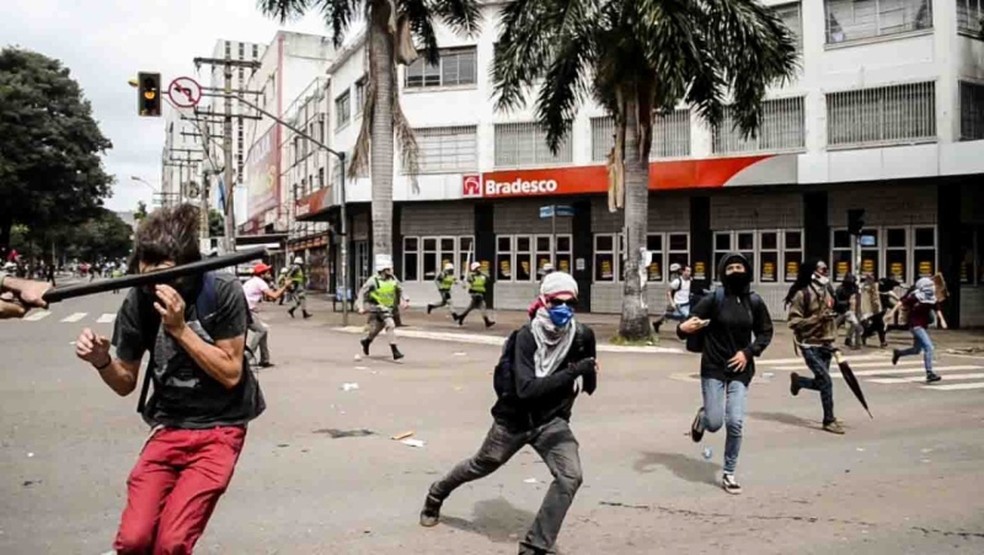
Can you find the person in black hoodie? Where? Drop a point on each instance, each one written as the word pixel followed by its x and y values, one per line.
pixel 736 328
pixel 550 353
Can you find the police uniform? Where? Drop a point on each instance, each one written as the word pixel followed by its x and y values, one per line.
pixel 478 283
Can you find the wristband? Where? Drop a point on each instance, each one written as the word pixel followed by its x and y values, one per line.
pixel 104 366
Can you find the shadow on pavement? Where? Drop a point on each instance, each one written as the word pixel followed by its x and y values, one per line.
pixel 496 519
pixel 783 418
pixel 682 466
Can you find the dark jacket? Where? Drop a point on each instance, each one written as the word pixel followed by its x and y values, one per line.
pixel 540 400
pixel 737 324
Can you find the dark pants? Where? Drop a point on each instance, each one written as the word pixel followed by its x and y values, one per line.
pixel 818 361
pixel 875 324
pixel 445 301
pixel 556 445
pixel 477 302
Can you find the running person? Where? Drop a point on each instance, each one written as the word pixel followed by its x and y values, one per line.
pixel 677 296
pixel 298 281
pixel 384 294
pixel 534 408
pixel 478 282
pixel 444 281
pixel 922 304
pixel 736 328
pixel 257 289
pixel 813 321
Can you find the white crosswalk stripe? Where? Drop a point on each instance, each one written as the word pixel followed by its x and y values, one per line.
pixel 955 386
pixel 107 318
pixel 75 317
pixel 888 372
pixel 916 379
pixel 788 361
pixel 37 316
pixel 882 364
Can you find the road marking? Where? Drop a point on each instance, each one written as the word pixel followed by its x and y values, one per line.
pixel 881 364
pixel 781 361
pixel 916 379
pixel 888 372
pixel 40 315
pixel 74 317
pixel 107 318
pixel 956 386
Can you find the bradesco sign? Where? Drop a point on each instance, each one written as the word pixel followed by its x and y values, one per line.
pixel 520 187
pixel 535 183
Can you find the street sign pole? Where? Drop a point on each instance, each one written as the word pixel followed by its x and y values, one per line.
pixel 553 237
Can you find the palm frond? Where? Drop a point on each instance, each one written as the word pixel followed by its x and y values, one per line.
pixel 421 17
pixel 337 14
pixel 522 51
pixel 283 10
pixel 463 16
pixel 564 84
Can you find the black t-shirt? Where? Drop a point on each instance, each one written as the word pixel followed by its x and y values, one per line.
pixel 185 396
pixel 738 324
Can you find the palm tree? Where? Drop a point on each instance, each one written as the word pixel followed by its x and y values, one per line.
pixel 392 26
pixel 639 59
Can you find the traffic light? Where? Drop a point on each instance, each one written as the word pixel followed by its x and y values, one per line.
pixel 149 94
pixel 855 221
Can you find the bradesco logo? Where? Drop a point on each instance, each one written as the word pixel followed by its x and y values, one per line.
pixel 471 186
pixel 520 186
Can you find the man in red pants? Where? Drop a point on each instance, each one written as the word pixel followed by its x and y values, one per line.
pixel 204 393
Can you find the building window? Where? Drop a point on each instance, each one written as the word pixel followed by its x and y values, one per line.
pixel 971 111
pixel 792 254
pixel 969 16
pixel 783 127
pixel 923 252
pixel 256 52
pixel 546 253
pixel 654 244
pixel 321 178
pixel 896 253
pixel 466 254
pixel 792 17
pixel 523 269
pixel 972 254
pixel 360 94
pixel 849 20
pixel 456 66
pixel 503 258
pixel 343 110
pixel 447 149
pixel 775 255
pixel 883 115
pixel 671 136
pixel 242 51
pixel 605 258
pixel 525 144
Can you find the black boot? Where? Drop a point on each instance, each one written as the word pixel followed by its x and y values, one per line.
pixel 397 355
pixel 306 314
pixel 489 323
pixel 291 311
pixel 460 320
pixel 365 345
pixel 431 512
pixel 430 307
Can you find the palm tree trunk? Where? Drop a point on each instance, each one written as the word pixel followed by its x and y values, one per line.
pixel 635 315
pixel 381 146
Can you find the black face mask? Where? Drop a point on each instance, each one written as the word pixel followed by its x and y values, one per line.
pixel 737 282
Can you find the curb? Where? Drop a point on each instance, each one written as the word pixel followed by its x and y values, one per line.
pixel 496 341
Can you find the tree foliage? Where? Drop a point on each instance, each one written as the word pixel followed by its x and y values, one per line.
pixel 104 236
pixel 50 145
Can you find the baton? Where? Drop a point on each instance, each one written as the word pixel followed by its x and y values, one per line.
pixel 166 275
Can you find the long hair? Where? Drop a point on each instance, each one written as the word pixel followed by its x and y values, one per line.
pixel 803 279
pixel 169 233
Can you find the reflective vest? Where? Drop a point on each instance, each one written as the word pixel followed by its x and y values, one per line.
pixel 478 281
pixel 446 282
pixel 384 294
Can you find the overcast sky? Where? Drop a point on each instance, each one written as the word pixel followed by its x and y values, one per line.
pixel 106 42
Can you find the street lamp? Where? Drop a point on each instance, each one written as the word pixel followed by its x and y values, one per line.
pixel 144 181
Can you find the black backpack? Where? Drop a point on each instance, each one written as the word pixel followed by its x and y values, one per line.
pixel 695 341
pixel 503 380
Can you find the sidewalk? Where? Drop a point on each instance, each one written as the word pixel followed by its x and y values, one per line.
pixel 416 323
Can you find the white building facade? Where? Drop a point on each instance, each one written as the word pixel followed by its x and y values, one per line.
pixel 886 114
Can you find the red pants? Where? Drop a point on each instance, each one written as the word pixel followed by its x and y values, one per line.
pixel 174 487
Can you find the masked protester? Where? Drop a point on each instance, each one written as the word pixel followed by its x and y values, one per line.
pixel 444 281
pixel 813 321
pixel 383 293
pixel 536 381
pixel 922 304
pixel 736 328
pixel 478 282
pixel 257 289
pixel 847 296
pixel 204 393
pixel 298 282
pixel 872 312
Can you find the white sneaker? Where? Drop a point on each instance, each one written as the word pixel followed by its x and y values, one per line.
pixel 730 485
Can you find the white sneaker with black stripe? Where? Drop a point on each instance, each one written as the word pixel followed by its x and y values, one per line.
pixel 730 485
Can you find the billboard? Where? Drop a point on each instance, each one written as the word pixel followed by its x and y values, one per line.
pixel 262 177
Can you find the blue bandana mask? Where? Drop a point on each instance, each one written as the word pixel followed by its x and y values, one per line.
pixel 561 315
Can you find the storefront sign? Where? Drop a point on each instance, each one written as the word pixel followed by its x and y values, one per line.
pixel 700 271
pixel 655 273
pixel 663 175
pixel 896 269
pixel 262 179
pixel 768 271
pixel 868 265
pixel 841 270
pixel 579 264
pixel 925 269
pixel 313 203
pixel 792 270
pixel 606 269
pixel 485 266
pixel 564 265
pixel 505 269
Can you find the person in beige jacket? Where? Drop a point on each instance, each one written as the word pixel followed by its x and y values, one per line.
pixel 872 312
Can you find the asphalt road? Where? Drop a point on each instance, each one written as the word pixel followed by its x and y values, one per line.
pixel 310 481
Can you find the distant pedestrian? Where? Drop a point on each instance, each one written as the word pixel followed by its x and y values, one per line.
pixel 812 319
pixel 847 296
pixel 257 289
pixel 736 327
pixel 478 283
pixel 281 283
pixel 872 313
pixel 922 305
pixel 536 383
pixel 445 281
pixel 298 284
pixel 677 296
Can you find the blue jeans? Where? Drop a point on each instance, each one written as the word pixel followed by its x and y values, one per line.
pixel 724 403
pixel 921 343
pixel 681 313
pixel 818 361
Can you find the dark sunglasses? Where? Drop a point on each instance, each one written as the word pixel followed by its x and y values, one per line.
pixel 560 302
